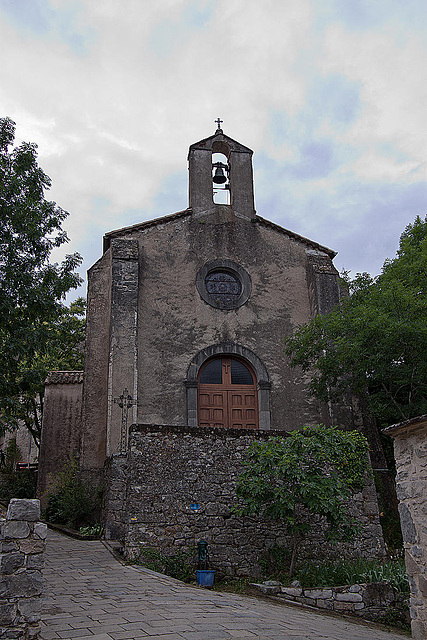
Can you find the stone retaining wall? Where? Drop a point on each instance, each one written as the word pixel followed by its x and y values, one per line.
pixel 181 489
pixel 410 449
pixel 371 601
pixel 22 540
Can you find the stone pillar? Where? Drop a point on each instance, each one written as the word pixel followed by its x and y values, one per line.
pixel 410 449
pixel 22 540
pixel 122 366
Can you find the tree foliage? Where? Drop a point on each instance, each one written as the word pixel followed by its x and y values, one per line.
pixel 308 474
pixel 376 339
pixel 31 287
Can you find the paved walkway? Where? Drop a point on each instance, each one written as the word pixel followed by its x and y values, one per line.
pixel 91 596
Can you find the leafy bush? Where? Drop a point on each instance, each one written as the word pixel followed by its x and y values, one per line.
pixel 72 501
pixel 309 474
pixel 16 484
pixel 181 566
pixel 92 530
pixel 334 574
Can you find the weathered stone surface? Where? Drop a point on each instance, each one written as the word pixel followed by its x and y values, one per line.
pixel 291 591
pixel 24 584
pixel 407 524
pixel 33 631
pixel 31 546
pixel 422 583
pixel 378 594
pixel 412 567
pixel 419 630
pixel 7 613
pixel 35 561
pixel 40 530
pixel 23 509
pixel 348 597
pixel 410 445
pixel 317 593
pixel 343 606
pixel 9 562
pixel 30 609
pixel 15 529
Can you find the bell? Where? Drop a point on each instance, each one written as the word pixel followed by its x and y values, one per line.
pixel 219 177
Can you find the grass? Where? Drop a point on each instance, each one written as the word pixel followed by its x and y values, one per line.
pixel 348 572
pixel 316 573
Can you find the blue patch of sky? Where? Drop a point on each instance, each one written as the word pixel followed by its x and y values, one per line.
pixel 316 161
pixel 334 97
pixel 364 15
pixel 40 19
pixel 197 13
pixel 169 33
pixel 377 217
pixel 34 15
pixel 172 196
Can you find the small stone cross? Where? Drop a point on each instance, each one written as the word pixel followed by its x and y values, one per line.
pixel 219 123
pixel 125 402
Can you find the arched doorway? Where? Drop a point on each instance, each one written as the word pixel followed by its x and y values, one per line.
pixel 227 394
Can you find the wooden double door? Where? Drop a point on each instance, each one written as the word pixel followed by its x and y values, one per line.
pixel 227 394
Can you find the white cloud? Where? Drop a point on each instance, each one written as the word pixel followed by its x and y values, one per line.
pixel 330 98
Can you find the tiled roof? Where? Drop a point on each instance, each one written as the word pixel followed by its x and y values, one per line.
pixel 64 377
pixel 394 429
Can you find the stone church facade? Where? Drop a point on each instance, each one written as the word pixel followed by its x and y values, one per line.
pixel 186 320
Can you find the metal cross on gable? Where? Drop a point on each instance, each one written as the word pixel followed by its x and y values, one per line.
pixel 219 122
pixel 125 402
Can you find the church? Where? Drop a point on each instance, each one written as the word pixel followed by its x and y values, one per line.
pixel 185 365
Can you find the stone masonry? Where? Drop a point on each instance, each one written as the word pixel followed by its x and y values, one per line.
pixel 181 489
pixel 371 601
pixel 410 448
pixel 22 539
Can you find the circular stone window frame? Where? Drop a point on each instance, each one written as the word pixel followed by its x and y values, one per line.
pixel 228 266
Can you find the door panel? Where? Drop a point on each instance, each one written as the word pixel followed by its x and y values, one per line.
pixel 233 402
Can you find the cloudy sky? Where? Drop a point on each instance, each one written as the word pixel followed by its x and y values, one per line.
pixel 330 95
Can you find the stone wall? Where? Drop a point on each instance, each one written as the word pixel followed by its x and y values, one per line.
pixel 22 539
pixel 115 513
pixel 410 448
pixel 181 487
pixel 62 424
pixel 371 601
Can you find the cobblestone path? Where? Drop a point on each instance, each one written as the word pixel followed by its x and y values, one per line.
pixel 91 596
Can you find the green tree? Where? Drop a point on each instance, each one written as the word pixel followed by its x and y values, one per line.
pixel 308 474
pixel 62 350
pixel 374 343
pixel 31 288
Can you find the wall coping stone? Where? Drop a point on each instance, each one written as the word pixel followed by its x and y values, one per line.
pixel 23 510
pixel 218 432
pixel 357 599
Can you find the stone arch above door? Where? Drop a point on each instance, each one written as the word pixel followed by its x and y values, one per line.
pixel 229 348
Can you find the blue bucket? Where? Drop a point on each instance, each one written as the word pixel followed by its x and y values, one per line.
pixel 205 577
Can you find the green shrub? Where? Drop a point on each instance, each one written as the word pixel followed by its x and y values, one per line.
pixel 181 566
pixel 92 530
pixel 348 572
pixel 72 501
pixel 16 484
